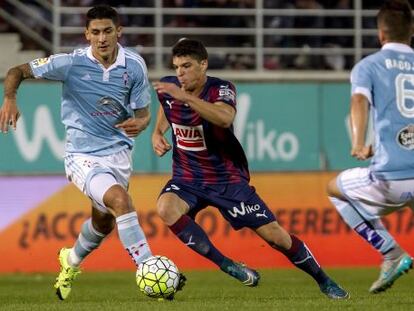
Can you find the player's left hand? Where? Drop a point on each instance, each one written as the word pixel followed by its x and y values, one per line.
pixel 133 126
pixel 9 114
pixel 171 89
pixel 362 152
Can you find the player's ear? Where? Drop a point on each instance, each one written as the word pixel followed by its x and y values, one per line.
pixel 381 36
pixel 119 31
pixel 204 64
pixel 87 34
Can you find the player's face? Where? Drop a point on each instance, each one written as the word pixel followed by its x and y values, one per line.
pixel 190 73
pixel 103 36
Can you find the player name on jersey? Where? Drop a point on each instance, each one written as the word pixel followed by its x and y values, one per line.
pixel 391 63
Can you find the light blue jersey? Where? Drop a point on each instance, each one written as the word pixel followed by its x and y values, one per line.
pixel 386 78
pixel 95 98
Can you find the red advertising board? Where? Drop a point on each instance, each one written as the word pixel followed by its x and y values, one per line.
pixel 44 214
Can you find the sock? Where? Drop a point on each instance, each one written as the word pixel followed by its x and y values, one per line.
pixel 372 230
pixel 393 253
pixel 192 235
pixel 302 258
pixel 88 240
pixel 132 237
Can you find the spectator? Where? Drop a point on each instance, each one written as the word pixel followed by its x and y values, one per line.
pixel 336 60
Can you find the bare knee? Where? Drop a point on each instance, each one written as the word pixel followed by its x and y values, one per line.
pixel 117 200
pixel 333 190
pixel 168 213
pixel 170 208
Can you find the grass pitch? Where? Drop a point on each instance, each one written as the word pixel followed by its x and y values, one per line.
pixel 284 289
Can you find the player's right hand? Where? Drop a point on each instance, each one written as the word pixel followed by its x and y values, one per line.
pixel 160 144
pixel 362 152
pixel 9 114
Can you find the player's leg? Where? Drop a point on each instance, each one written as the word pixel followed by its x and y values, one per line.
pixel 173 208
pixel 300 255
pixel 173 211
pixel 104 180
pixel 360 200
pixel 78 168
pixel 93 231
pixel 109 190
pixel 242 207
pixel 118 202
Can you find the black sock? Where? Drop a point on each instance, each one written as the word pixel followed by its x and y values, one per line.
pixel 302 258
pixel 192 235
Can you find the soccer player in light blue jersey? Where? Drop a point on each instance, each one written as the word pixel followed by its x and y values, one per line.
pixel 105 104
pixel 384 83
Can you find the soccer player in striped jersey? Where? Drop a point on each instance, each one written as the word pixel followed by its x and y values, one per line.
pixel 210 168
pixel 105 100
pixel 384 83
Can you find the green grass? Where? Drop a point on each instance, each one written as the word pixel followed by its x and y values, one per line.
pixel 207 290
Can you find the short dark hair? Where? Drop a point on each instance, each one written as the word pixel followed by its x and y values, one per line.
pixel 189 47
pixel 395 18
pixel 102 11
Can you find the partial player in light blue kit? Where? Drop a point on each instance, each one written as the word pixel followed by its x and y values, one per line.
pixel 384 83
pixel 104 106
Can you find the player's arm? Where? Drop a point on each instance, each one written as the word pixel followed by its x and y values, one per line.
pixel 218 113
pixel 159 142
pixel 134 126
pixel 359 122
pixel 9 112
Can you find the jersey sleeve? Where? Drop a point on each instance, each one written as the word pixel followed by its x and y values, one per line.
pixel 140 92
pixel 54 67
pixel 224 92
pixel 361 80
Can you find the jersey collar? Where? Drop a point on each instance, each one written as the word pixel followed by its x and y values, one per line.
pixel 399 47
pixel 120 58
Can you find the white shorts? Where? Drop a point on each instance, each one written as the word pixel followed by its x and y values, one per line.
pixel 373 197
pixel 105 171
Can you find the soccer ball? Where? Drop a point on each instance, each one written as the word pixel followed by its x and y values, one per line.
pixel 158 277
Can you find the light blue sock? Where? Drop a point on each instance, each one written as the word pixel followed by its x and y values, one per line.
pixel 88 240
pixel 132 237
pixel 372 230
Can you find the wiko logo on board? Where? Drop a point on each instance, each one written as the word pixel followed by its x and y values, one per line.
pixel 259 142
pixel 43 130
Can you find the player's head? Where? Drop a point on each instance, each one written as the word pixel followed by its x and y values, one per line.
pixel 189 59
pixel 103 30
pixel 395 21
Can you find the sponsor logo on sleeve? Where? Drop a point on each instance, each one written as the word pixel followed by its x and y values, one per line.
pixel 189 137
pixel 226 93
pixel 40 62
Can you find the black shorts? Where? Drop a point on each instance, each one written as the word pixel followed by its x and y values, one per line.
pixel 239 203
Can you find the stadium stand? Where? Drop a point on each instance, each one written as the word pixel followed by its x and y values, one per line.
pixel 262 37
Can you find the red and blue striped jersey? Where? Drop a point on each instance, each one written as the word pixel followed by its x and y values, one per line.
pixel 204 153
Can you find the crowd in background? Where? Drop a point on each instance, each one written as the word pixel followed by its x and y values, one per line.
pixel 305 43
